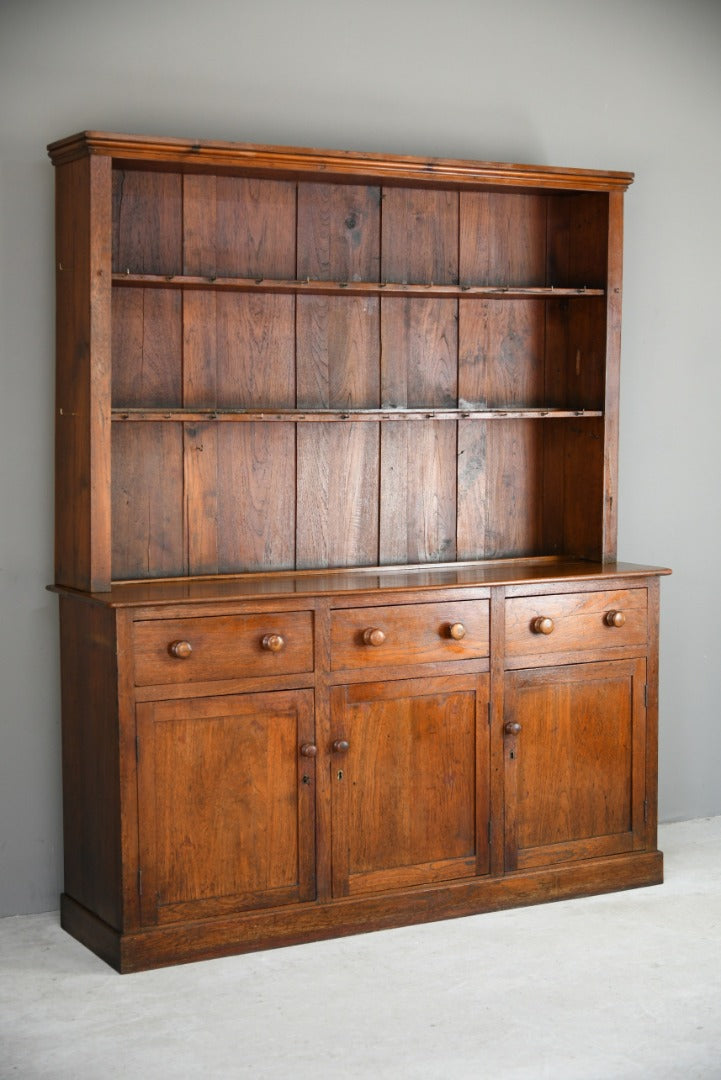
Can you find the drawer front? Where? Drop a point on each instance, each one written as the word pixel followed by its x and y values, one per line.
pixel 222 647
pixel 569 622
pixel 409 634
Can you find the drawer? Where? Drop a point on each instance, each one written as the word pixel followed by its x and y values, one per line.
pixel 222 647
pixel 409 634
pixel 569 622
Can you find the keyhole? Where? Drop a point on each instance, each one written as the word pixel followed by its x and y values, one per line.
pixel 513 754
pixel 340 774
pixel 306 779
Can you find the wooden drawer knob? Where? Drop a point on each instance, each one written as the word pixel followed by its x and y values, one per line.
pixel 542 625
pixel 180 649
pixel 512 728
pixel 614 618
pixel 341 746
pixel 273 642
pixel 457 631
pixel 373 636
pixel 308 749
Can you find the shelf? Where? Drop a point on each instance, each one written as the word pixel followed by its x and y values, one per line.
pixel 350 288
pixel 315 416
pixel 335 582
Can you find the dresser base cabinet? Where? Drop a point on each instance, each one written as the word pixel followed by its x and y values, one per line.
pixel 439 754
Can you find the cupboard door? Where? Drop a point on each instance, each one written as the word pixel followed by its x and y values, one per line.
pixel 574 762
pixel 225 804
pixel 410 783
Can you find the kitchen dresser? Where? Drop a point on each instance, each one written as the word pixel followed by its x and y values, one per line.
pixel 345 641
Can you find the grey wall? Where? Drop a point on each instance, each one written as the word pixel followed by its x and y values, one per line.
pixel 619 84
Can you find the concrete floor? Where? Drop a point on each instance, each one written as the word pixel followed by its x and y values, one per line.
pixel 609 988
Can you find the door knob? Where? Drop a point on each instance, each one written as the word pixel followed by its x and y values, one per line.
pixel 614 618
pixel 341 746
pixel 373 636
pixel 542 625
pixel 512 728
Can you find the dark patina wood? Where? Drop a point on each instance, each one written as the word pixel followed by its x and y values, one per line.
pixel 345 641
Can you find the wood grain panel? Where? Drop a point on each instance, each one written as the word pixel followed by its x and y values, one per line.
pixel 502 239
pixel 147 222
pixel 200 350
pixel 473 487
pixel 225 822
pixel 414 634
pixel 147 343
pixel 223 647
pixel 82 389
pixel 238 350
pixel 501 353
pixel 91 801
pixel 338 232
pixel 578 621
pixel 516 511
pixel 575 771
pixel 255 350
pixel 148 532
pixel 239 227
pixel 418 492
pixel 419 353
pixel 405 796
pixel 337 495
pixel 240 497
pixel 338 352
pixel 583 487
pixel 588 239
pixel 419 236
pixel 586 351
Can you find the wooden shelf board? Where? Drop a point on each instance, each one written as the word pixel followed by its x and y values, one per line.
pixel 315 416
pixel 351 288
pixel 281 584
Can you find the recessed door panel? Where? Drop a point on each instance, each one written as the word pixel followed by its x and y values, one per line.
pixel 226 804
pixel 409 782
pixel 574 762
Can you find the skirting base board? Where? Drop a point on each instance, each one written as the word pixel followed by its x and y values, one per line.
pixel 178 943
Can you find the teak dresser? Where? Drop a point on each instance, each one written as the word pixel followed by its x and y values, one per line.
pixel 345 644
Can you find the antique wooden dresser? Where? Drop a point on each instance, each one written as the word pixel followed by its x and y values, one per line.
pixel 345 644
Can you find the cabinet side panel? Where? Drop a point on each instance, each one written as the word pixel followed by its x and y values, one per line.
pixel 613 364
pixel 82 433
pixel 91 795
